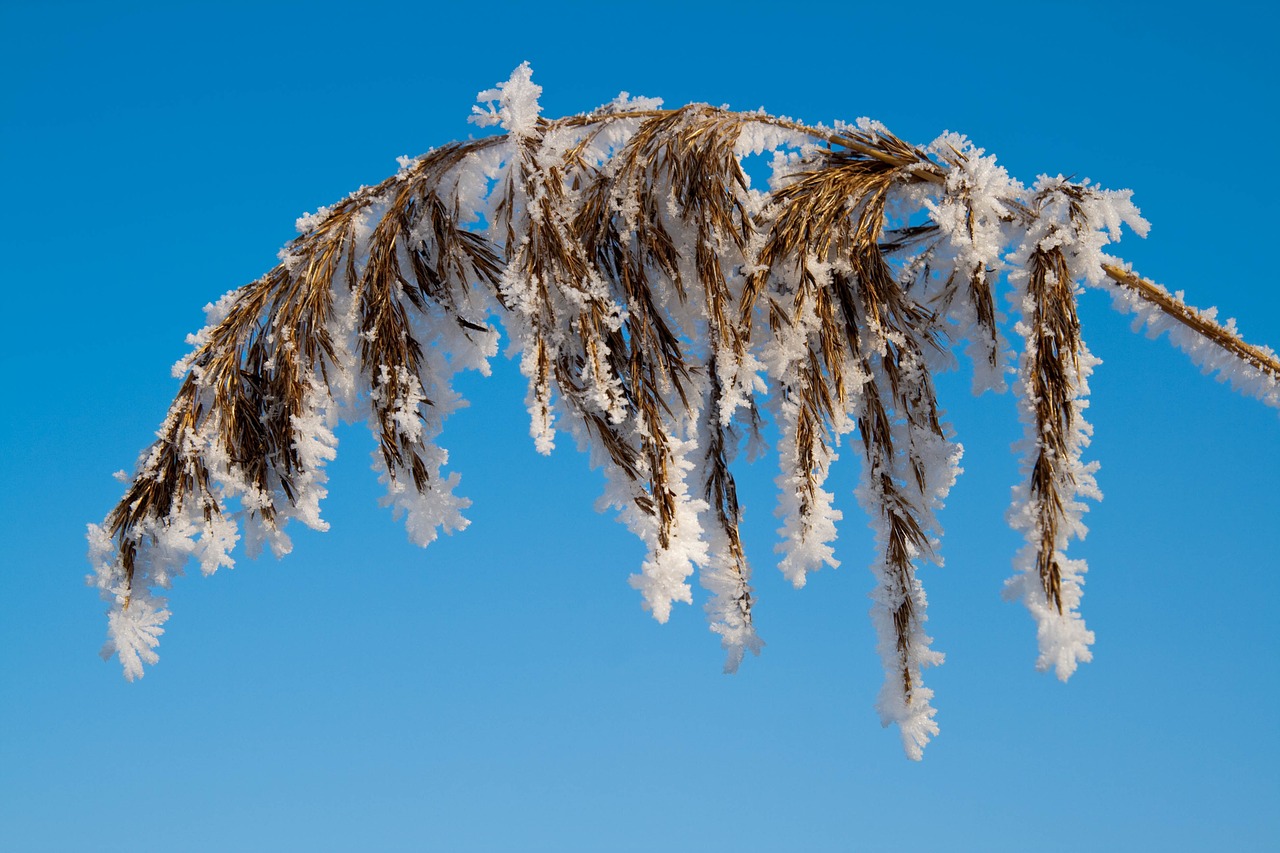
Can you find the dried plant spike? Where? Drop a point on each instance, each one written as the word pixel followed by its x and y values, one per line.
pixel 665 312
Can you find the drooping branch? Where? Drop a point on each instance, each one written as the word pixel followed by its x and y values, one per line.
pixel 662 307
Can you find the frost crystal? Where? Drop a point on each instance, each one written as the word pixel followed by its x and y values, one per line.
pixel 517 104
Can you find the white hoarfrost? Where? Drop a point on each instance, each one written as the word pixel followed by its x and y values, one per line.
pixel 1243 376
pixel 513 105
pixel 663 577
pixel 972 215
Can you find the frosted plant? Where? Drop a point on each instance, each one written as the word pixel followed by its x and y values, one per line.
pixel 663 309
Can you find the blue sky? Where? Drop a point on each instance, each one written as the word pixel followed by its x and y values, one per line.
pixel 503 690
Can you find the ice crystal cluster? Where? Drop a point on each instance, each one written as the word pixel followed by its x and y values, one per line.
pixel 663 308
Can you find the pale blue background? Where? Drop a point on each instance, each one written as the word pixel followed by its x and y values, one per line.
pixel 502 690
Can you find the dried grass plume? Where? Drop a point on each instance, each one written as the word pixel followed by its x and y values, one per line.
pixel 664 308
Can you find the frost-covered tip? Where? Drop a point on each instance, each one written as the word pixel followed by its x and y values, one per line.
pixel 663 577
pixel 134 617
pixel 516 102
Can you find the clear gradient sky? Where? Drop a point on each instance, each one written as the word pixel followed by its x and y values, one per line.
pixel 503 690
